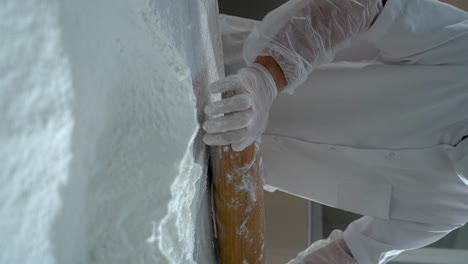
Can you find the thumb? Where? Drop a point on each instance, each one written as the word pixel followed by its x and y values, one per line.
pixel 243 144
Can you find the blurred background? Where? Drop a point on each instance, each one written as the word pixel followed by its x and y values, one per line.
pixel 293 223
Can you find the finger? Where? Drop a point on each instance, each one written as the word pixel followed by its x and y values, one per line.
pixel 232 104
pixel 226 138
pixel 224 85
pixel 238 147
pixel 229 122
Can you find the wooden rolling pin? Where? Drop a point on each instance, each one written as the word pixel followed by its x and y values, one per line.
pixel 238 205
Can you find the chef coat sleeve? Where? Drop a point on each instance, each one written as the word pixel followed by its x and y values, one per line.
pixel 372 240
pixel 423 32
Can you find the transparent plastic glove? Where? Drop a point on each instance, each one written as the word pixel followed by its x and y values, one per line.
pixel 244 115
pixel 327 251
pixel 302 34
pixel 461 161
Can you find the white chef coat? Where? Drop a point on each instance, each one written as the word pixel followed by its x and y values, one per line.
pixel 377 132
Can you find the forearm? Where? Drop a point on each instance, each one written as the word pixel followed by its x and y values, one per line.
pixel 307 34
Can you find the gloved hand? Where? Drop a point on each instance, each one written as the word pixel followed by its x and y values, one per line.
pixel 245 114
pixel 327 251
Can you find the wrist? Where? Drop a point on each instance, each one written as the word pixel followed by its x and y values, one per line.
pixel 275 71
pixel 267 79
pixel 344 247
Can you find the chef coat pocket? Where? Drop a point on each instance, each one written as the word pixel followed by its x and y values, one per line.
pixel 365 198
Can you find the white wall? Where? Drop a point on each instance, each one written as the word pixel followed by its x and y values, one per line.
pixel 463 4
pixel 286 229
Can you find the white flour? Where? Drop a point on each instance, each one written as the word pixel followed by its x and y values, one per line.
pixel 35 129
pixel 98 157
